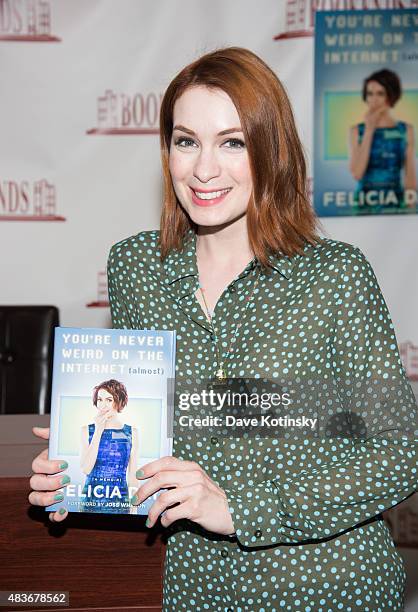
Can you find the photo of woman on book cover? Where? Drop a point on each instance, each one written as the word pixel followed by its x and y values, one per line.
pixel 108 451
pixel 382 151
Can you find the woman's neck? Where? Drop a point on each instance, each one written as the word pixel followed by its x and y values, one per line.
pixel 225 246
pixel 114 423
pixel 221 255
pixel 386 120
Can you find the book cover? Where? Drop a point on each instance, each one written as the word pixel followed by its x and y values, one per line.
pixel 351 48
pixel 111 413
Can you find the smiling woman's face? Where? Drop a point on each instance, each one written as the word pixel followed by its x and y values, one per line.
pixel 210 170
pixel 105 400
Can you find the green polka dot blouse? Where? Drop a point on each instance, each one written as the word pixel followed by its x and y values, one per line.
pixel 307 514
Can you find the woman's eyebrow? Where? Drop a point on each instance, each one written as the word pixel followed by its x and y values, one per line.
pixel 181 128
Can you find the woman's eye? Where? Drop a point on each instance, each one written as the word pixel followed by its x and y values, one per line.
pixel 182 139
pixel 236 142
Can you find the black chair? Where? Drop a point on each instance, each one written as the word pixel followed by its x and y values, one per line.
pixel 26 352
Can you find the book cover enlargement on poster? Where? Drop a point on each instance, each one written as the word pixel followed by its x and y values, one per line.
pixel 110 413
pixel 366 112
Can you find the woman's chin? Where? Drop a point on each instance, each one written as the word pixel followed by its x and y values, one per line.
pixel 216 220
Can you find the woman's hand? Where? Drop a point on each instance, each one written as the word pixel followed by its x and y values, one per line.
pixel 199 499
pixel 101 418
pixel 372 117
pixel 45 487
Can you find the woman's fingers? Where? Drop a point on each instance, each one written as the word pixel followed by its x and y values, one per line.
pixel 41 432
pixel 42 465
pixel 168 479
pixel 42 482
pixel 40 498
pixel 166 499
pixel 58 516
pixel 46 489
pixel 182 511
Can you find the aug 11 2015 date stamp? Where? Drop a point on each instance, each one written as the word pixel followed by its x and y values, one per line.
pixel 34 598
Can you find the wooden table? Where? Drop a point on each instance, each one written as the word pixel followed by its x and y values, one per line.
pixel 106 563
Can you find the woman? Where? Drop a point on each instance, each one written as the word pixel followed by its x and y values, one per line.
pixel 239 271
pixel 108 453
pixel 382 149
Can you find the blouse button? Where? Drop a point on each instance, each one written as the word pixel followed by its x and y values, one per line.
pixel 224 553
pixel 232 289
pixel 214 440
pixel 258 533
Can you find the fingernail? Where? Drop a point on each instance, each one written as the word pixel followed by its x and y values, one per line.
pixel 134 500
pixel 148 523
pixel 63 465
pixel 62 511
pixel 65 480
pixel 139 474
pixel 59 497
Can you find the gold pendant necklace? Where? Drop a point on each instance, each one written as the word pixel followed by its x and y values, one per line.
pixel 221 373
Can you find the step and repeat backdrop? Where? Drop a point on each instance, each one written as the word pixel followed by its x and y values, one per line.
pixel 79 150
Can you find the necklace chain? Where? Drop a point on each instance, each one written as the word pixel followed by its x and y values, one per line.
pixel 221 371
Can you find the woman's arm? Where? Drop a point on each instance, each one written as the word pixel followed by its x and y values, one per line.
pixel 410 172
pixel 89 451
pixel 361 477
pixel 360 153
pixel 118 309
pixel 132 467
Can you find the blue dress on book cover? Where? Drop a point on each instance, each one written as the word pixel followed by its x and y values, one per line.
pixel 109 472
pixel 386 159
pixel 111 413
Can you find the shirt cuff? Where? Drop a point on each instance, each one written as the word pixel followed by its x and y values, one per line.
pixel 256 513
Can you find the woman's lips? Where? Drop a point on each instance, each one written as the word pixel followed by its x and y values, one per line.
pixel 210 202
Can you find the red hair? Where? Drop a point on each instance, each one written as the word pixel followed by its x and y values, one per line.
pixel 280 218
pixel 116 389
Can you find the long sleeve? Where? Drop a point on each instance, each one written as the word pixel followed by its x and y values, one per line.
pixel 364 476
pixel 118 308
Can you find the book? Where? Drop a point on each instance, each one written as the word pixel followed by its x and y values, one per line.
pixel 111 413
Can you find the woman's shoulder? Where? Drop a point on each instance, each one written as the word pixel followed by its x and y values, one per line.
pixel 139 245
pixel 138 252
pixel 335 255
pixel 334 263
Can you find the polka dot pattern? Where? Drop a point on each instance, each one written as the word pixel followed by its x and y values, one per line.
pixel 309 532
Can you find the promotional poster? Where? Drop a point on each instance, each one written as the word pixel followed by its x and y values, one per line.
pixel 366 112
pixel 110 413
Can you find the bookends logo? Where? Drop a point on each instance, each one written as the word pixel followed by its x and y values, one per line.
pixel 28 201
pixel 299 17
pixel 102 299
pixel 120 114
pixel 409 356
pixel 26 21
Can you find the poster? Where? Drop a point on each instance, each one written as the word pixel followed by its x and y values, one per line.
pixel 366 112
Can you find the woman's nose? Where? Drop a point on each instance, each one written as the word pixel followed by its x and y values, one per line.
pixel 206 166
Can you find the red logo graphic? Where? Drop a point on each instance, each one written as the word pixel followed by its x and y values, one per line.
pixel 26 21
pixel 122 114
pixel 23 201
pixel 409 356
pixel 102 299
pixel 299 17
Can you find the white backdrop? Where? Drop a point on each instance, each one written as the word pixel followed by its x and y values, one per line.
pixel 63 61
